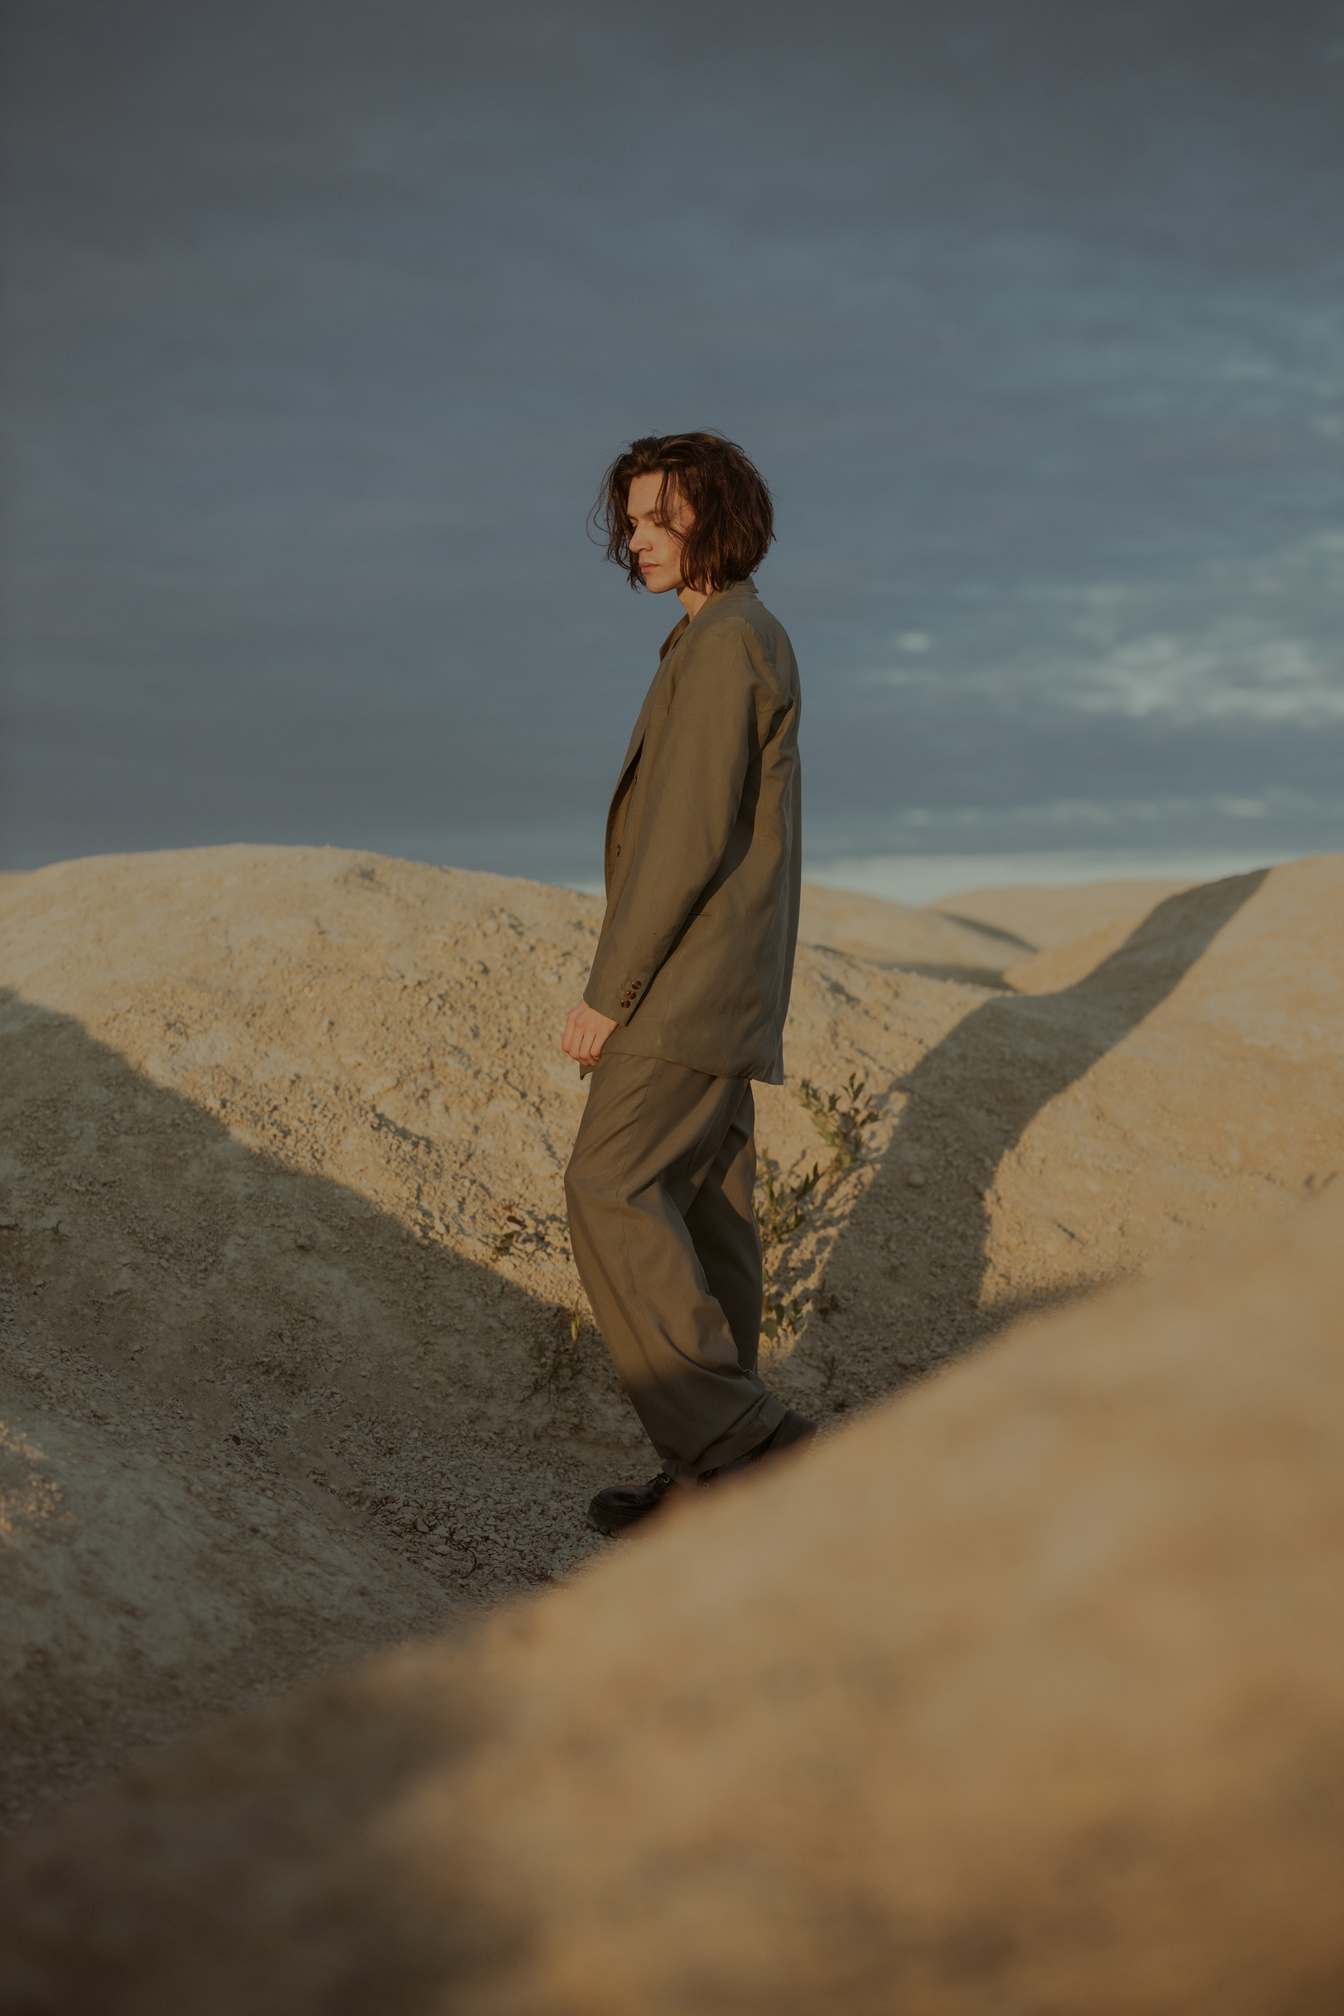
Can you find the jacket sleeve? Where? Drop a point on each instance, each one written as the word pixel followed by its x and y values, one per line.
pixel 690 809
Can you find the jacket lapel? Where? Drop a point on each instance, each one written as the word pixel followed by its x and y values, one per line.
pixel 637 739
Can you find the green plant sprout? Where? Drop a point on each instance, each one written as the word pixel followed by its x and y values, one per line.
pixel 841 1118
pixel 784 1207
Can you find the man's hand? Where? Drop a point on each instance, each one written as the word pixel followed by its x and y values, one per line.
pixel 585 1033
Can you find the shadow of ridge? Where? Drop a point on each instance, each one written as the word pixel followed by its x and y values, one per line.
pixel 1008 938
pixel 927 969
pixel 965 976
pixel 971 1099
pixel 220 1310
pixel 251 1867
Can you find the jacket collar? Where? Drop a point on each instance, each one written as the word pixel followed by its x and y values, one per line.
pixel 720 594
pixel 671 638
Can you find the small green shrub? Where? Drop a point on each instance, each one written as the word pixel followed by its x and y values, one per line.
pixel 841 1118
pixel 784 1206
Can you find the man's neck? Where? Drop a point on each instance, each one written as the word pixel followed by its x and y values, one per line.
pixel 691 600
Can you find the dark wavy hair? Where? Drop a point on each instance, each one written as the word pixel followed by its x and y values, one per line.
pixel 731 508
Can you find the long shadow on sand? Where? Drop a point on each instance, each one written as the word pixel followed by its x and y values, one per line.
pixel 302 1361
pixel 970 1101
pixel 166 1282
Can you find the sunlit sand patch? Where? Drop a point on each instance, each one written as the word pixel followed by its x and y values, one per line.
pixel 28 1496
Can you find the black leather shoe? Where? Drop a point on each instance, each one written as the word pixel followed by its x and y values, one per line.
pixel 622 1506
pixel 786 1434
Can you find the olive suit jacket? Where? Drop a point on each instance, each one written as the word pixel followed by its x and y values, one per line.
pixel 703 850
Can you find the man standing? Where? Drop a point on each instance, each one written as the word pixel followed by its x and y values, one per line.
pixel 689 987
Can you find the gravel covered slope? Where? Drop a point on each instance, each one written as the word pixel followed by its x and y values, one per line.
pixel 1019 1695
pixel 293 1360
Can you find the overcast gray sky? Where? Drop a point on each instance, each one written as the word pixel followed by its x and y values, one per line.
pixel 321 321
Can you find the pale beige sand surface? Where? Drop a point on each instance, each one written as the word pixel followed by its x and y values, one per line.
pixel 981 935
pixel 1041 918
pixel 1020 1695
pixel 293 1360
pixel 897 934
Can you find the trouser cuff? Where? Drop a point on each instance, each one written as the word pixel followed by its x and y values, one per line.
pixel 748 1435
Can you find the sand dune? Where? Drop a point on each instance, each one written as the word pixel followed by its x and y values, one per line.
pixel 294 1359
pixel 1040 918
pixel 898 935
pixel 1021 1694
pixel 979 936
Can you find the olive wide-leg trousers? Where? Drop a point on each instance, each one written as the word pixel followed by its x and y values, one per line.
pixel 660 1219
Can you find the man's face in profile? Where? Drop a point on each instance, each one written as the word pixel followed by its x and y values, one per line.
pixel 656 541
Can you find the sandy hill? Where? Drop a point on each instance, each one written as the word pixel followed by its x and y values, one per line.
pixel 1020 1694
pixel 294 1359
pixel 918 941
pixel 981 936
pixel 1042 917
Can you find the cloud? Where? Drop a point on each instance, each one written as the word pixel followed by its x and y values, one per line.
pixel 1258 643
pixel 1229 674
